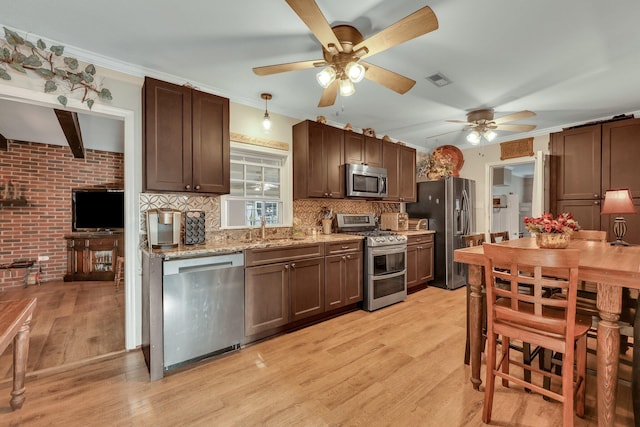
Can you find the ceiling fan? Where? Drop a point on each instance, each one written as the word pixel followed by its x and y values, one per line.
pixel 343 48
pixel 482 124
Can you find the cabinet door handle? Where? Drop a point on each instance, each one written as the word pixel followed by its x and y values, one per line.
pixel 197 187
pixel 348 256
pixel 187 187
pixel 286 266
pixel 293 265
pixel 596 202
pixel 595 196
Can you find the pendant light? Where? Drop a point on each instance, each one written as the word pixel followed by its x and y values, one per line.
pixel 266 121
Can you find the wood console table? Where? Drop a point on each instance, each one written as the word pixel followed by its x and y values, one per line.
pixel 15 316
pixel 612 267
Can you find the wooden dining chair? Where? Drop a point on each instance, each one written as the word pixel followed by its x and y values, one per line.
pixel 499 236
pixel 472 240
pixel 586 304
pixel 535 318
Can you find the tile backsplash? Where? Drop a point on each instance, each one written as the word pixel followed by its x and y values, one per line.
pixel 307 211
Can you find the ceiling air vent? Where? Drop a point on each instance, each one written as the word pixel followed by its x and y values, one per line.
pixel 439 79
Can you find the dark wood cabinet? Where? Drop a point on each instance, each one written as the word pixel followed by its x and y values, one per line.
pixel 620 154
pixel 343 278
pixel 185 138
pixel 578 151
pixel 266 298
pixel 282 285
pixel 589 160
pixel 318 158
pixel 407 175
pixel 290 286
pixel 400 162
pixel 419 261
pixel 362 149
pixel 92 256
pixel 306 285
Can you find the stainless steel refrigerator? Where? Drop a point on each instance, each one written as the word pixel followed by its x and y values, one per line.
pixel 448 204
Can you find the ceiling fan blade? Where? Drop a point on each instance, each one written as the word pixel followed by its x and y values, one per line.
pixel 418 23
pixel 291 66
pixel 329 95
pixel 388 79
pixel 312 16
pixel 515 116
pixel 516 128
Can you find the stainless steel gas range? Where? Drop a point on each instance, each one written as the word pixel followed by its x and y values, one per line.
pixel 385 260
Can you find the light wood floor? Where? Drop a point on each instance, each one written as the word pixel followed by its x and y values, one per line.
pixel 399 366
pixel 73 322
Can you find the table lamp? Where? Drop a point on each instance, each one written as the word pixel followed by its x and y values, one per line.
pixel 618 202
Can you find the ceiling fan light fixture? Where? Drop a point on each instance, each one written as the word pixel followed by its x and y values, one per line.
pixel 355 71
pixel 490 135
pixel 346 87
pixel 326 76
pixel 474 137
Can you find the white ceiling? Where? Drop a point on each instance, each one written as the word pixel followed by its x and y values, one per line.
pixel 569 61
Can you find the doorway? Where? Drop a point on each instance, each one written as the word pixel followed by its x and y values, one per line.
pixel 514 190
pixel 131 313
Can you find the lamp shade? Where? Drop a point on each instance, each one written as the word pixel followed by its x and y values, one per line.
pixel 618 202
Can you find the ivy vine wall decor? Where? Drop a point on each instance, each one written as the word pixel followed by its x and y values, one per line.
pixel 21 55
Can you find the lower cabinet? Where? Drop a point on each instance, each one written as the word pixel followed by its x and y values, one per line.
pixel 92 256
pixel 306 285
pixel 266 298
pixel 419 261
pixel 286 285
pixel 343 280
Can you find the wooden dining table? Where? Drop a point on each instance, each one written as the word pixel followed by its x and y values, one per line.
pixel 15 317
pixel 612 268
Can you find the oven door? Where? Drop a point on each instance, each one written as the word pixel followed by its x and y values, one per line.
pixel 387 260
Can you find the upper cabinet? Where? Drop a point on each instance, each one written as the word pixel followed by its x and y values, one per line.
pixel 400 162
pixel 362 149
pixel 589 160
pixel 318 158
pixel 185 139
pixel 578 150
pixel 620 154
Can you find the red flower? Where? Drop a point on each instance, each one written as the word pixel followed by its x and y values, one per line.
pixel 564 223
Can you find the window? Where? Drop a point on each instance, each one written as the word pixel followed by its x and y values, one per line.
pixel 260 186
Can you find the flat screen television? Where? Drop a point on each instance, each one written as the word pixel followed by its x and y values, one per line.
pixel 97 209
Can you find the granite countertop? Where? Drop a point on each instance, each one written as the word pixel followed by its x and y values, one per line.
pixel 219 248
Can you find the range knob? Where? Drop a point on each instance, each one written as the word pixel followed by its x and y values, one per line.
pixel 379 239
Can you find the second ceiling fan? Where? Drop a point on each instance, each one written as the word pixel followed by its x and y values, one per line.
pixel 482 124
pixel 343 48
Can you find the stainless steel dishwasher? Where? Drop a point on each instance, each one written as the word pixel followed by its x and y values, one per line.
pixel 203 307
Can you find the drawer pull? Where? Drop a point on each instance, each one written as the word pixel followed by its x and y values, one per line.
pixel 344 247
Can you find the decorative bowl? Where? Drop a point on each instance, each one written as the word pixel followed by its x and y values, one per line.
pixel 553 240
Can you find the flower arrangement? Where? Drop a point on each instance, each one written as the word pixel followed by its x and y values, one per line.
pixel 563 224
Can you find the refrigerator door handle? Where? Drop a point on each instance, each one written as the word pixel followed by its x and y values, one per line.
pixel 465 212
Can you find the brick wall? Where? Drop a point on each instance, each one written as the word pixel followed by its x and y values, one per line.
pixel 46 174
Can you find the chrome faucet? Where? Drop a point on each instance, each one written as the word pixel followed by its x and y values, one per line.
pixel 263 227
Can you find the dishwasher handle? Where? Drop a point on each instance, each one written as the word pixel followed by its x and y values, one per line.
pixel 191 265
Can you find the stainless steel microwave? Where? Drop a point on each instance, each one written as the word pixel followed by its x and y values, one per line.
pixel 366 181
